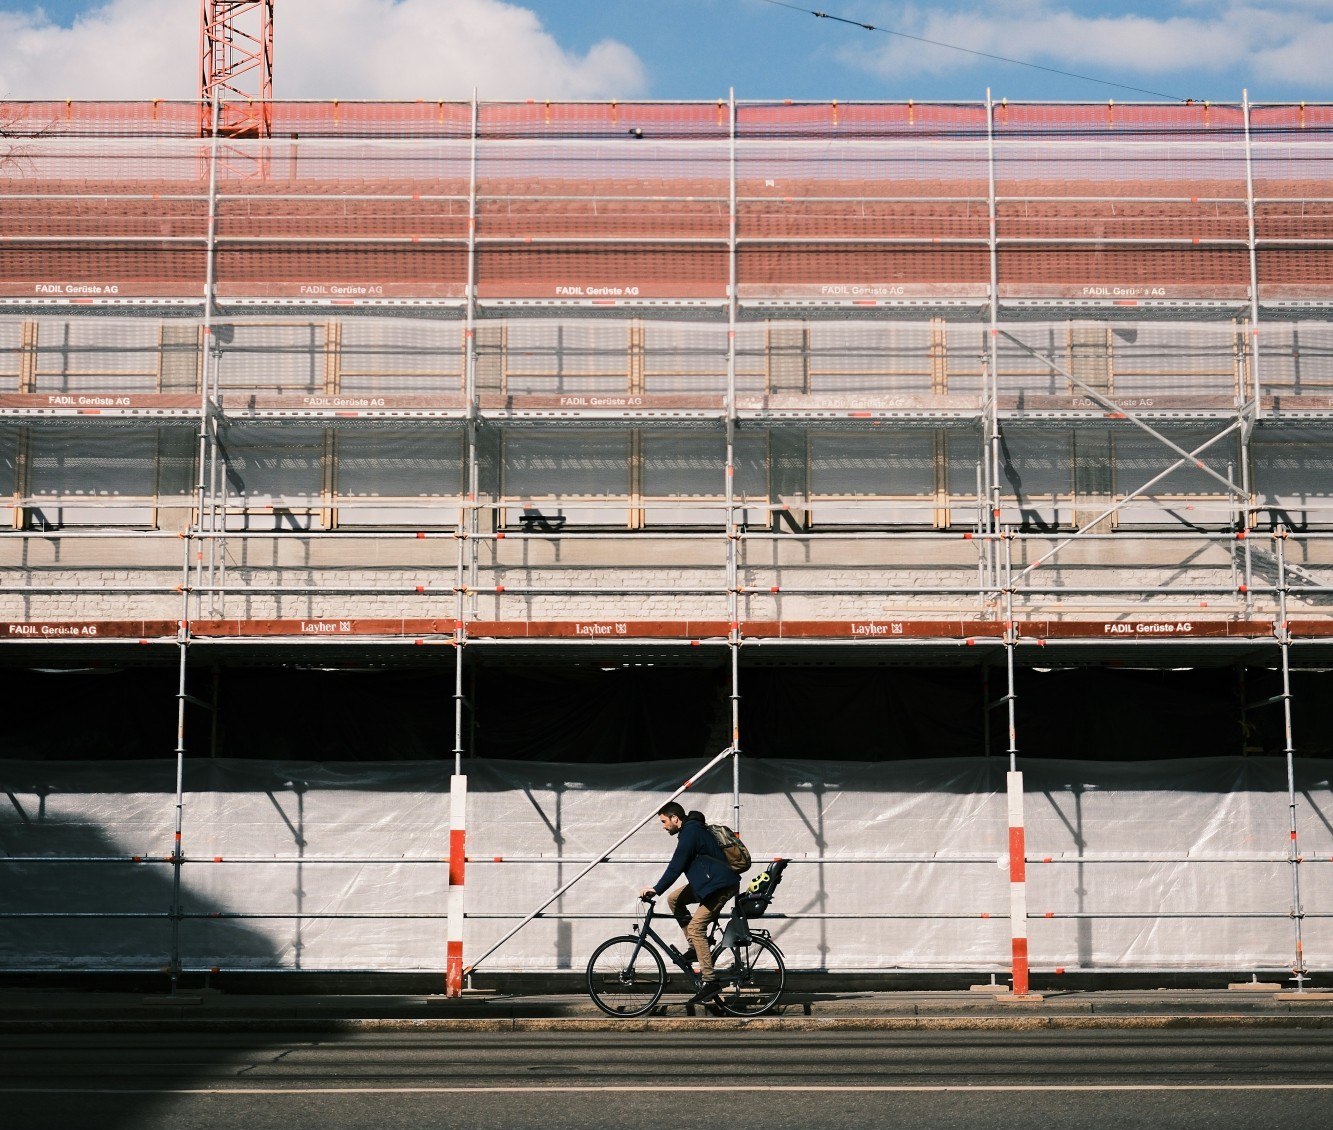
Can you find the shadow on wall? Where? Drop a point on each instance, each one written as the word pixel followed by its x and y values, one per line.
pixel 133 933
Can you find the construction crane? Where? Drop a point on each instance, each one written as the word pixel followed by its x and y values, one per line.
pixel 236 67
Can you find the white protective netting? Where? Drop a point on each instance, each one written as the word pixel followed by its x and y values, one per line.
pixel 898 865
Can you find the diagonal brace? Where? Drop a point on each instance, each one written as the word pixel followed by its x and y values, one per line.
pixel 601 858
pixel 1186 457
pixel 1111 405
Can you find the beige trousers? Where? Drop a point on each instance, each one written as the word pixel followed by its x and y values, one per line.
pixel 696 925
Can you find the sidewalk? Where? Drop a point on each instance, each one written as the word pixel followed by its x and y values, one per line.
pixel 61 1011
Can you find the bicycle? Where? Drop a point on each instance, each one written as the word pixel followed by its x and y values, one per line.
pixel 627 976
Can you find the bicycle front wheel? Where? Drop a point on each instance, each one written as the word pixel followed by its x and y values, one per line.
pixel 752 975
pixel 625 977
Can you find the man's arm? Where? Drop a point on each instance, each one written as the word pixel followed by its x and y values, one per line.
pixel 680 859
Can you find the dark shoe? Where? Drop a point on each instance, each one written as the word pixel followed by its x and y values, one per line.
pixel 707 991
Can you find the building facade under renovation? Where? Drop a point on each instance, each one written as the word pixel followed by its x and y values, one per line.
pixel 401 501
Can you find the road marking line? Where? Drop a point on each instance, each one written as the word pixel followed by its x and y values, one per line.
pixel 657 1090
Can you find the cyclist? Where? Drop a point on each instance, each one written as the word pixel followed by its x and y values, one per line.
pixel 710 882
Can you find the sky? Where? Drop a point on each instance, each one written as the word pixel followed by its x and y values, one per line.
pixel 1126 50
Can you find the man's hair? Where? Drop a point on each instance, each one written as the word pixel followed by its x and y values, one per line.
pixel 671 808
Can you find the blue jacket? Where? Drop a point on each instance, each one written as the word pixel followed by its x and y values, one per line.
pixel 698 857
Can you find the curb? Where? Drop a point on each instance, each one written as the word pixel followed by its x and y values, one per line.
pixel 673 1024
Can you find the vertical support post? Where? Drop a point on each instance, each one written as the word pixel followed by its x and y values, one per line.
pixel 734 534
pixel 470 331
pixel 736 790
pixel 1253 246
pixel 177 846
pixel 1299 970
pixel 1250 411
pixel 207 427
pixel 472 395
pixel 991 361
pixel 1018 900
pixel 453 958
pixel 992 386
pixel 465 544
pixel 731 256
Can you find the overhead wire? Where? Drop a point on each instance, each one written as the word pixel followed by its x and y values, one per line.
pixel 973 51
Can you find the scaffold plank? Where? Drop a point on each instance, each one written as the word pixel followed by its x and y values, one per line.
pixel 682 630
pixel 322 627
pixel 88 629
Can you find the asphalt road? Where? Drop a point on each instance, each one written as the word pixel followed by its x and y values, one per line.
pixel 1118 1079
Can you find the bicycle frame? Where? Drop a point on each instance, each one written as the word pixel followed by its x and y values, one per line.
pixel 683 960
pixel 736 932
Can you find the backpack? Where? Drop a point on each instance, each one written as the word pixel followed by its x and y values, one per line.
pixel 758 893
pixel 738 855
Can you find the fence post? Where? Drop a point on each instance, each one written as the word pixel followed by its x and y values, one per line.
pixel 453 958
pixel 1018 896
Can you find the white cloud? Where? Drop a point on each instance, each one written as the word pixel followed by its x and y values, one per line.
pixel 135 49
pixel 1280 41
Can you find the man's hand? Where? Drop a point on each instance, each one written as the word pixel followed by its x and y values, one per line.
pixel 648 893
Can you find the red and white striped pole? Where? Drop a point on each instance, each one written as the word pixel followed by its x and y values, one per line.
pixel 453 961
pixel 1018 894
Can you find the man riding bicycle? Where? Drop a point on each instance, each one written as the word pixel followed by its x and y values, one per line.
pixel 710 882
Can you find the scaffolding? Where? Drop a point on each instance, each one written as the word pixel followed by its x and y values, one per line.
pixel 978 379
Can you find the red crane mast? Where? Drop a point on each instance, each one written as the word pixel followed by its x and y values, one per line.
pixel 236 66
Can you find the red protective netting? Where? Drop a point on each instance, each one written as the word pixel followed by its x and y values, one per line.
pixel 864 218
pixel 592 216
pixel 1294 219
pixel 386 119
pixel 338 271
pixel 347 217
pixel 859 119
pixel 668 119
pixel 862 266
pixel 607 273
pixel 1090 199
pixel 1054 219
pixel 114 211
pixel 1200 269
pixel 1292 118
pixel 604 119
pixel 1105 117
pixel 138 119
pixel 67 270
pixel 1295 267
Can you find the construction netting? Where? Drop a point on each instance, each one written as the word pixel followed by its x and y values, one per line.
pixel 633 203
pixel 299 355
pixel 347 419
pixel 413 477
pixel 1164 865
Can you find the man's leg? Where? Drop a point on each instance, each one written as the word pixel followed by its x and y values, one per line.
pixel 679 902
pixel 697 931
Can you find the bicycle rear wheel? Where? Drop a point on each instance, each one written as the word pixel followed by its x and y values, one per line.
pixel 752 975
pixel 625 978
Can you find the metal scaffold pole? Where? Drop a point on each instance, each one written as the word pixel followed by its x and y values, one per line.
pixel 1299 970
pixel 733 531
pixel 1249 410
pixel 990 362
pixel 177 845
pixel 207 453
pixel 465 564
pixel 193 556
